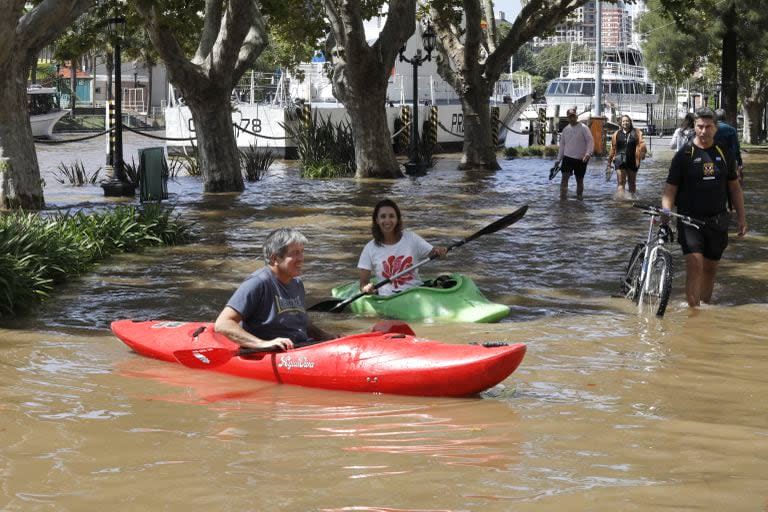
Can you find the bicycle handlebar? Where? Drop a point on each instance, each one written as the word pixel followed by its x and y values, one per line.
pixel 650 209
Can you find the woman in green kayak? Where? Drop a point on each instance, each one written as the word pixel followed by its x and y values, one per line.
pixel 392 250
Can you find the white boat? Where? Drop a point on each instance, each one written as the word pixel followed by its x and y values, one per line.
pixel 626 90
pixel 264 103
pixel 43 110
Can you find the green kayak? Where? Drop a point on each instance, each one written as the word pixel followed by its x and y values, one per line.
pixel 447 298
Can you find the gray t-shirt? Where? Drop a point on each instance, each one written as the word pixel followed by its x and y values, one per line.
pixel 271 309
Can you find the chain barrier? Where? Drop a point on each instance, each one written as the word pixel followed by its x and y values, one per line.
pixel 63 141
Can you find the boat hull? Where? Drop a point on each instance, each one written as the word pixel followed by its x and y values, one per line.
pixel 462 302
pixel 42 124
pixel 263 125
pixel 372 362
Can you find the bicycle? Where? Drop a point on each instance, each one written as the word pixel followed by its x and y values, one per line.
pixel 648 279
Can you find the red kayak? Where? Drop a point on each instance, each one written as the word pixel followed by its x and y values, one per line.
pixel 378 362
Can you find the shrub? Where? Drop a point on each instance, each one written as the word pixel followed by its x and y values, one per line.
pixel 75 174
pixel 325 149
pixel 38 252
pixel 255 162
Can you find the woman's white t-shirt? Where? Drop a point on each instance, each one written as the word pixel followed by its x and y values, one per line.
pixel 385 260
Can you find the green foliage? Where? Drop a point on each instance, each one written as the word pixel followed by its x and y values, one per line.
pixel 38 252
pixel 323 169
pixel 325 149
pixel 255 162
pixel 75 174
pixel 531 151
pixel 187 162
pixel 674 56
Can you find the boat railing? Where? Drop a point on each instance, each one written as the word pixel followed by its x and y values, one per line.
pixel 617 69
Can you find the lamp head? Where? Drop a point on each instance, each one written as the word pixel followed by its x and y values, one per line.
pixel 429 40
pixel 116 26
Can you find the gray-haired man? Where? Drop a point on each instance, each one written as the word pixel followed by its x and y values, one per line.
pixel 267 310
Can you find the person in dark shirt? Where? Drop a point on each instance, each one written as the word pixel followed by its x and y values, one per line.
pixel 267 310
pixel 726 136
pixel 701 177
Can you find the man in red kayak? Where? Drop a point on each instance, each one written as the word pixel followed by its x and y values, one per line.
pixel 267 310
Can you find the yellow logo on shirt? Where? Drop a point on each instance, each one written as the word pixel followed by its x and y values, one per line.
pixel 709 169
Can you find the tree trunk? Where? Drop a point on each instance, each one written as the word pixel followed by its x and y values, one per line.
pixel 753 110
pixel 216 144
pixel 729 66
pixel 479 149
pixel 374 155
pixel 20 183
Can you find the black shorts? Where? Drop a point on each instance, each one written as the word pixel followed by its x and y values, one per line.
pixel 574 165
pixel 707 241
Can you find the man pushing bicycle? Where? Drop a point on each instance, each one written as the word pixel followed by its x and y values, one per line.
pixel 701 177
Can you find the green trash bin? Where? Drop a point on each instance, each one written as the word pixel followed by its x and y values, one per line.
pixel 153 174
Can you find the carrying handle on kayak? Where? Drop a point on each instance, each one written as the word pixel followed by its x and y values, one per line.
pixel 338 305
pixel 211 357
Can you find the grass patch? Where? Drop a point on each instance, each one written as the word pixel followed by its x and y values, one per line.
pixel 39 252
pixel 528 151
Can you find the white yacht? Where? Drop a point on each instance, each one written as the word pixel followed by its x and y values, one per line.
pixel 43 110
pixel 626 89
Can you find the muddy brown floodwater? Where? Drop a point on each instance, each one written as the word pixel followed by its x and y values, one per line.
pixel 609 410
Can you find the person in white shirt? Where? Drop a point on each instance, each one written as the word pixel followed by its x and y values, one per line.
pixel 576 148
pixel 392 250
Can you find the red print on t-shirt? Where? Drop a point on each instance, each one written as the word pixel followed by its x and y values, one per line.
pixel 395 264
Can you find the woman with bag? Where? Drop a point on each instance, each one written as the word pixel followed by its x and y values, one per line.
pixel 627 151
pixel 683 134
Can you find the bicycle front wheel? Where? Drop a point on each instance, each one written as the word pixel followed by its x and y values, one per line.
pixel 658 283
pixel 630 285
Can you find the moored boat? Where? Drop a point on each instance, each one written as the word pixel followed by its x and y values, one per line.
pixel 453 298
pixel 43 112
pixel 376 362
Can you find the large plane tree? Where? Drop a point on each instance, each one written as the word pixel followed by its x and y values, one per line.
pixel 361 73
pixel 472 57
pixel 23 33
pixel 233 35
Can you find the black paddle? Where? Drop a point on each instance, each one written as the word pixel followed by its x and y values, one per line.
pixel 338 305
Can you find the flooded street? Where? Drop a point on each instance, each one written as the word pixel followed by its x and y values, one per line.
pixel 609 410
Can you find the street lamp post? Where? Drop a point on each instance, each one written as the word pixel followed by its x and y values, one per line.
pixel 416 164
pixel 116 184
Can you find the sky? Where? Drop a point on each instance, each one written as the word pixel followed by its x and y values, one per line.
pixel 510 8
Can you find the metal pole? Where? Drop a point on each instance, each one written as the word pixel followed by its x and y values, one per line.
pixel 598 110
pixel 415 157
pixel 119 172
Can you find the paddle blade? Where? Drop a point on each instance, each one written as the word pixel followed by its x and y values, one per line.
pixel 203 358
pixel 325 306
pixel 502 223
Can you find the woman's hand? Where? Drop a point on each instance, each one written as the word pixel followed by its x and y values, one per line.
pixel 439 251
pixel 368 288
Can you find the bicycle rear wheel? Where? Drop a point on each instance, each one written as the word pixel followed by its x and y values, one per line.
pixel 658 285
pixel 630 285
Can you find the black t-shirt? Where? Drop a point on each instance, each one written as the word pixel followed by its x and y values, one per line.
pixel 701 176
